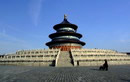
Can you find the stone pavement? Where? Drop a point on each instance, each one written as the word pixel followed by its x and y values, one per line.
pixel 64 74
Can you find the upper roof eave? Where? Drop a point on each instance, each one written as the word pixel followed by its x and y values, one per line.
pixel 64 23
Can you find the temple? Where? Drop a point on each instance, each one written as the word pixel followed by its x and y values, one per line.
pixel 65 37
pixel 65 50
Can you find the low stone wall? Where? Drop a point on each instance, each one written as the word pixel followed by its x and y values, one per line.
pixel 99 63
pixel 31 63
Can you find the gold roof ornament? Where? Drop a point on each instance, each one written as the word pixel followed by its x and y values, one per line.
pixel 65 16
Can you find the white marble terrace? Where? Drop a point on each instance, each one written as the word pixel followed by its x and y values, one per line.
pixel 40 55
pixel 80 57
pixel 96 57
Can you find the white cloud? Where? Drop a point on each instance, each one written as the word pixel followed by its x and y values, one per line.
pixel 34 10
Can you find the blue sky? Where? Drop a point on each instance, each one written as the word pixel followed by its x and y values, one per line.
pixel 26 24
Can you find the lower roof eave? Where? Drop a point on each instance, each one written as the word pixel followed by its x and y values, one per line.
pixel 55 42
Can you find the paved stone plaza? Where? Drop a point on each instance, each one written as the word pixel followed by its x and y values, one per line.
pixel 65 74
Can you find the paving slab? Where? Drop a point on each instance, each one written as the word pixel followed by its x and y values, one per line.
pixel 64 74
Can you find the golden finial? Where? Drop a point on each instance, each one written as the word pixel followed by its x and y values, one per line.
pixel 65 16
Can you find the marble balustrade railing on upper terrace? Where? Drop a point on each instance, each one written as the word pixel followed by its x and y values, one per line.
pixel 97 54
pixel 43 55
pixel 93 51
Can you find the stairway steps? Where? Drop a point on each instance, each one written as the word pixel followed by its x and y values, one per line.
pixel 64 59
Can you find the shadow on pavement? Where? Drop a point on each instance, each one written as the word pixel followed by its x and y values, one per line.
pixel 126 80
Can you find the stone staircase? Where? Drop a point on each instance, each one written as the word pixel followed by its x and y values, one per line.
pixel 65 59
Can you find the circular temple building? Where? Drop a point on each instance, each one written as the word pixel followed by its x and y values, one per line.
pixel 65 37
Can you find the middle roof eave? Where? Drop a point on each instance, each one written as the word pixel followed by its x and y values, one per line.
pixel 65 33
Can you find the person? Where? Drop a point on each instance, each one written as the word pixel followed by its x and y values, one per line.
pixel 105 65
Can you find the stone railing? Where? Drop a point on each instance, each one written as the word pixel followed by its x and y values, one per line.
pixel 40 51
pixel 46 56
pixel 93 51
pixel 73 58
pixel 96 55
pixel 57 59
